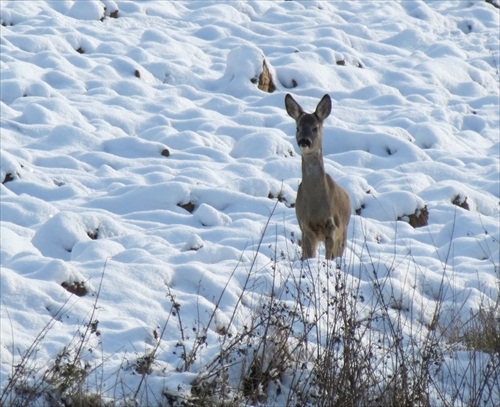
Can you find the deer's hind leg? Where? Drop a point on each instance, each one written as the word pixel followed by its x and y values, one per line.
pixel 342 241
pixel 338 247
pixel 330 240
pixel 335 239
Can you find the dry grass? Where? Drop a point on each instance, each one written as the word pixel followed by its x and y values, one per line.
pixel 312 340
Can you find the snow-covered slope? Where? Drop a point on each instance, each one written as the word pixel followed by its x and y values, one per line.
pixel 141 163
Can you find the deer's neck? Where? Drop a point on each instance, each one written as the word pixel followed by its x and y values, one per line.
pixel 313 169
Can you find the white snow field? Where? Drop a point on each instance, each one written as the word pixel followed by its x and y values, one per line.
pixel 148 234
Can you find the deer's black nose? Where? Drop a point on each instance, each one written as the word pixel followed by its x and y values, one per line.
pixel 303 142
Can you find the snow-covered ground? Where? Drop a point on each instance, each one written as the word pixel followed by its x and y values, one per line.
pixel 140 162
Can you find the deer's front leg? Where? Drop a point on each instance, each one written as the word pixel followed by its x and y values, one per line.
pixel 309 244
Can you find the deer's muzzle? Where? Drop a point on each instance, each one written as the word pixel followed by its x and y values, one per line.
pixel 304 143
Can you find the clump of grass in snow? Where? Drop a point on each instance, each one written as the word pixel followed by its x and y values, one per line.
pixel 482 333
pixel 314 341
pixel 63 380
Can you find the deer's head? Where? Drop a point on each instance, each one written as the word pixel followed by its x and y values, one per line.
pixel 309 125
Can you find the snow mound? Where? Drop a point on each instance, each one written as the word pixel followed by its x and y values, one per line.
pixel 209 216
pixel 58 236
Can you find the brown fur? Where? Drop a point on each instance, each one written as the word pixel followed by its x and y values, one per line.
pixel 323 208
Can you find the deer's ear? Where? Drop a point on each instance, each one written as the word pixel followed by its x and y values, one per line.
pixel 292 107
pixel 324 108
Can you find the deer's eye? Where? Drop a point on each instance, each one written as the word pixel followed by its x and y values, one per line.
pixel 315 130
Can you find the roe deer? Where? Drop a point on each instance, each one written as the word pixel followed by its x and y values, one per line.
pixel 323 208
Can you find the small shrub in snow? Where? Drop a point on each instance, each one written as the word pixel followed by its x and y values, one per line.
pixel 8 177
pixel 280 197
pixel 10 168
pixel 188 206
pixel 266 82
pixel 482 332
pixel 61 382
pixel 76 287
pixel 418 219
pixel 461 202
pixel 143 364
